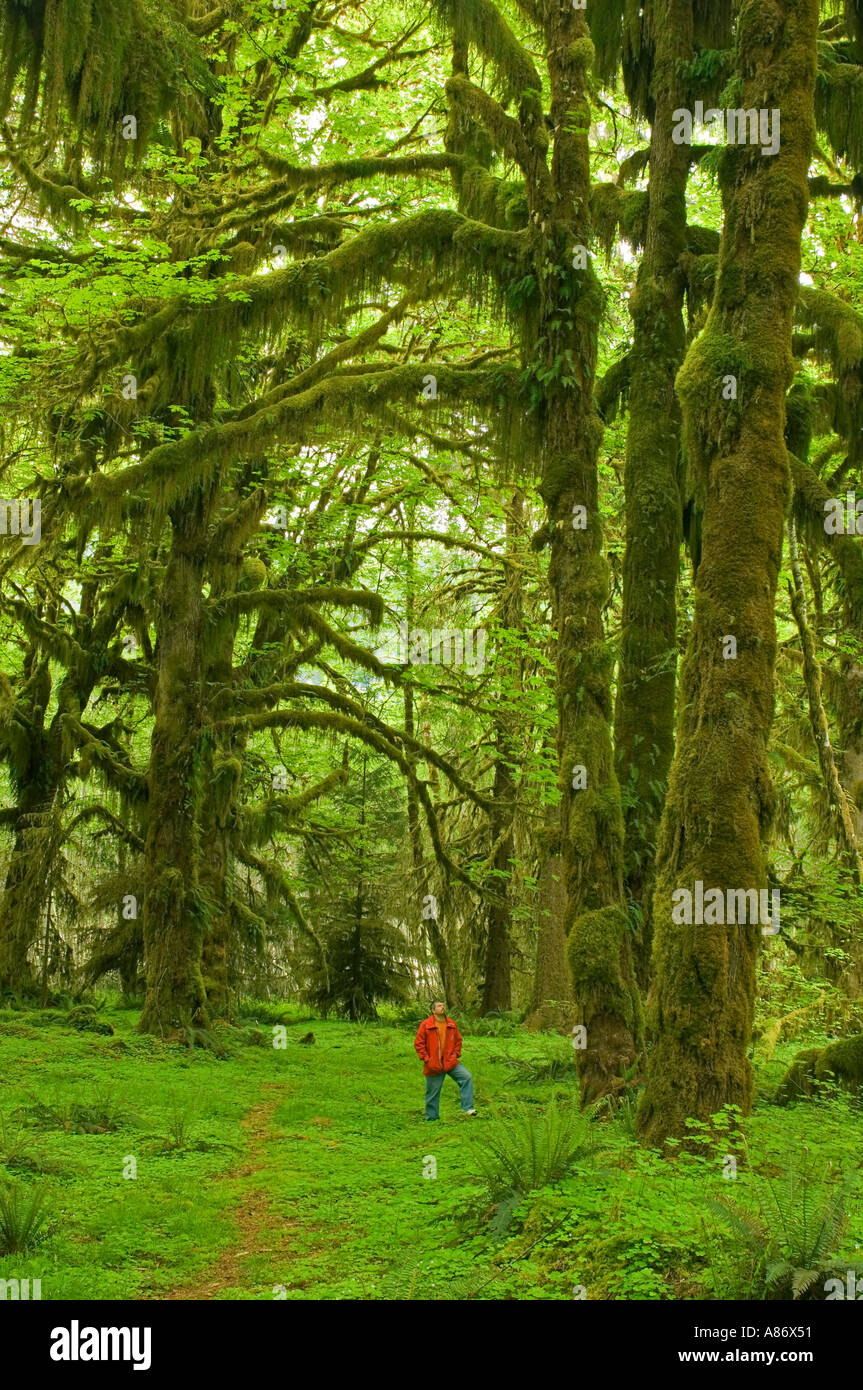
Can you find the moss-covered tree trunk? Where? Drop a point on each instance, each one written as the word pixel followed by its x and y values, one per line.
pixel 223 753
pixel 644 716
pixel 174 919
pixel 840 806
pixel 25 892
pixel 497 984
pixel 719 801
pixel 591 845
pixel 40 787
pixel 429 911
pixel 552 1006
pixel 497 987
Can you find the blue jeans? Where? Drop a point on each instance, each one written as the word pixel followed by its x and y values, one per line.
pixel 459 1074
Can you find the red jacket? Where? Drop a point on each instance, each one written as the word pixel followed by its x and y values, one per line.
pixel 427 1044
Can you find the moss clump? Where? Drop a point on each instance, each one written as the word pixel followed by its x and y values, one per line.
pixel 254 574
pixel 840 1061
pixel 85 1019
pixel 609 1006
pixel 594 959
pixel 582 53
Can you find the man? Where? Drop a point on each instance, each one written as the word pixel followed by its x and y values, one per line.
pixel 438 1045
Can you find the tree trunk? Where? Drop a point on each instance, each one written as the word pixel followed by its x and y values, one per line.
pixel 553 1006
pixel 644 717
pixel 497 986
pixel 719 801
pixel 436 938
pixel 840 806
pixel 174 917
pixel 25 893
pixel 591 815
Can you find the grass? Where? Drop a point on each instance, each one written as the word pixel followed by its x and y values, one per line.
pixel 303 1172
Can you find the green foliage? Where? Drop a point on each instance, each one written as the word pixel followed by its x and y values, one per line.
pixel 180 1117
pixel 522 1150
pixel 99 1113
pixel 23 1215
pixel 786 1236
pixel 495 1024
pixel 321 212
pixel 15 1143
pixel 365 962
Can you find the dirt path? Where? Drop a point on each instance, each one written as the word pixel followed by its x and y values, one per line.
pixel 257 1230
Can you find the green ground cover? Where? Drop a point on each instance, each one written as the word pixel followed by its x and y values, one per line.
pixel 309 1172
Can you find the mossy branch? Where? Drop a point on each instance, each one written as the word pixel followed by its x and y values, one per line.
pixel 275 599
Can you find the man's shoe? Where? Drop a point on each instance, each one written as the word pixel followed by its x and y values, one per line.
pixel 468 1112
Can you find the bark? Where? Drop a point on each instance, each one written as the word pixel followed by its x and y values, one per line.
pixel 719 802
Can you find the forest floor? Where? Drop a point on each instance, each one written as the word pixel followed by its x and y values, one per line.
pixel 309 1171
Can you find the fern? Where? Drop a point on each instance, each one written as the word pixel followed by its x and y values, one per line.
pixel 525 1151
pixel 785 1241
pixel 22 1216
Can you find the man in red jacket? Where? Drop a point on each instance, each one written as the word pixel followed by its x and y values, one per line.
pixel 438 1045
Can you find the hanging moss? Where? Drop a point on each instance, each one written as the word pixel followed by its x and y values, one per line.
pixel 810 496
pixel 836 339
pixel 175 470
pixel 618 212
pixel 480 23
pixel 311 296
pixel 712 23
pixel 700 274
pixel 800 405
pixel 839 107
pixel 497 202
pixel 621 33
pixel 100 63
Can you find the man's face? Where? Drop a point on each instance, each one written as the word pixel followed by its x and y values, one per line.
pixel 439 1009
